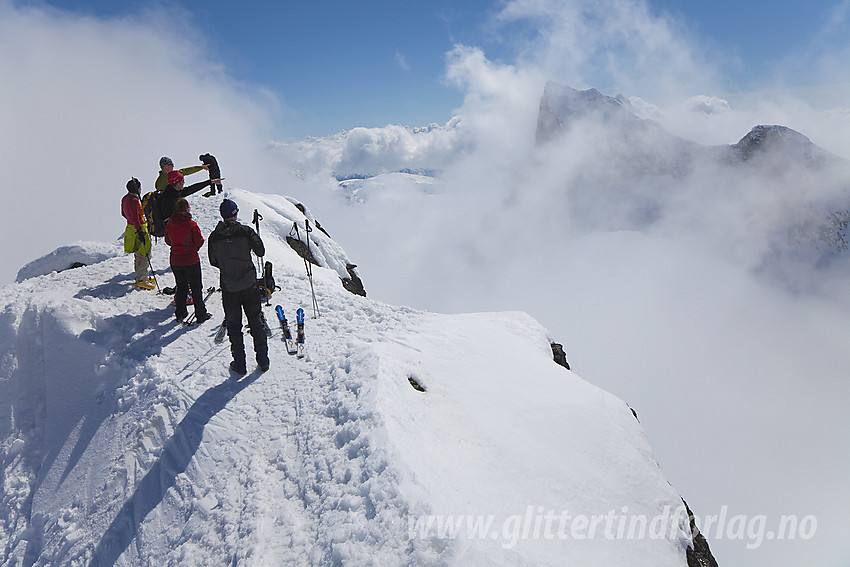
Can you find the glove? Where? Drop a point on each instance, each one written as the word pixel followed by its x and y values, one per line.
pixel 142 237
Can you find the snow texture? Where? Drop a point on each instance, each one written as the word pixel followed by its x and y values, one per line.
pixel 66 257
pixel 124 440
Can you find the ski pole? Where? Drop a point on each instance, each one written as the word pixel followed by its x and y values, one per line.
pixel 310 270
pixel 307 265
pixel 191 319
pixel 257 218
pixel 262 273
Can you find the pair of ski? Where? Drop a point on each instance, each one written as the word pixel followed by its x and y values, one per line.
pixel 295 347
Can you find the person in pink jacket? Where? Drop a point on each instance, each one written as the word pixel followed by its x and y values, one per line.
pixel 136 237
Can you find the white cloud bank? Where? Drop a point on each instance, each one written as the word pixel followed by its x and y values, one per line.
pixel 86 104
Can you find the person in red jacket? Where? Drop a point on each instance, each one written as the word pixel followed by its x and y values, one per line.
pixel 136 237
pixel 184 237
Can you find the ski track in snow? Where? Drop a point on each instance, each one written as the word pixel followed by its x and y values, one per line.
pixel 126 441
pixel 304 439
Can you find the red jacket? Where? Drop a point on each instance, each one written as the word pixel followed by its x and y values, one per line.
pixel 131 209
pixel 184 237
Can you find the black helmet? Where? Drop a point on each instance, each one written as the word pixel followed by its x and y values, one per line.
pixel 134 185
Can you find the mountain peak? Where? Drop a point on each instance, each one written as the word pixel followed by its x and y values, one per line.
pixel 561 105
pixel 775 140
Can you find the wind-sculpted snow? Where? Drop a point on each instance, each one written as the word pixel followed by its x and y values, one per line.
pixel 126 442
pixel 64 257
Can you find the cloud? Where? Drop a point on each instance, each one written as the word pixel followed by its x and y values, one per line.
pixel 614 46
pixel 88 103
pixel 632 48
pixel 370 151
pixel 401 61
pixel 674 314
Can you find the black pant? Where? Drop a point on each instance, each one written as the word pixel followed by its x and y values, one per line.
pixel 234 303
pixel 188 277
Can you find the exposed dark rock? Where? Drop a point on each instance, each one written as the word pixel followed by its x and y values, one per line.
pixel 73 266
pixel 415 383
pixel 559 355
pixel 325 232
pixel 699 555
pixel 353 284
pixel 301 248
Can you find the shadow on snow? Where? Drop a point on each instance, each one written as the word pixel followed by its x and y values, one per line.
pixel 176 455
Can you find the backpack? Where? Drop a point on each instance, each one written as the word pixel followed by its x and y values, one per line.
pixel 266 283
pixel 153 215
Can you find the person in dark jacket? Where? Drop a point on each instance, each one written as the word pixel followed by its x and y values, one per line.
pixel 229 247
pixel 215 173
pixel 185 239
pixel 175 189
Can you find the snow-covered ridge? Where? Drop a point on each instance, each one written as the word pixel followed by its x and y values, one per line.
pixel 283 216
pixel 125 443
pixel 70 256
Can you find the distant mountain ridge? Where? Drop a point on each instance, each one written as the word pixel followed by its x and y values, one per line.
pixel 562 106
pixel 762 140
pixel 794 189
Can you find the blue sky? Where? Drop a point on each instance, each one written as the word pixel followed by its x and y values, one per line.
pixel 334 65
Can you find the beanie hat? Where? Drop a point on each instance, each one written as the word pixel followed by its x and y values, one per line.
pixel 134 185
pixel 174 177
pixel 228 209
pixel 165 160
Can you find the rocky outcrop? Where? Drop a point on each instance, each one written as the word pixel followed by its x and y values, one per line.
pixel 301 249
pixel 699 555
pixel 559 355
pixel 352 283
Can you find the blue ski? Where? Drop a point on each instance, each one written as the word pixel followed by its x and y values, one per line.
pixel 287 336
pixel 299 334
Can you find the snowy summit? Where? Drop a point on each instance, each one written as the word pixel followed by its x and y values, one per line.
pixel 401 438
